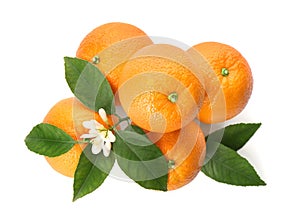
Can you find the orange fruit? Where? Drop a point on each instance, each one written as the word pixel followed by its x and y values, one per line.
pixel 160 89
pixel 110 45
pixel 185 150
pixel 235 82
pixel 68 115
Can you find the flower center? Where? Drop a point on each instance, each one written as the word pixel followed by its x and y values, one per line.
pixel 104 132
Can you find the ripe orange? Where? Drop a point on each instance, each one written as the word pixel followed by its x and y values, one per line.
pixel 68 115
pixel 159 88
pixel 185 150
pixel 235 80
pixel 110 45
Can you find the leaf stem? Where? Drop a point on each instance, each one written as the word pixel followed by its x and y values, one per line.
pixel 120 121
pixel 119 117
pixel 82 141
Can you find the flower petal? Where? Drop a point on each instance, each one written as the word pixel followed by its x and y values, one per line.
pixel 111 137
pixel 96 148
pixel 98 140
pixel 98 126
pixel 106 148
pixel 89 124
pixel 93 131
pixel 88 136
pixel 107 144
pixel 103 133
pixel 102 114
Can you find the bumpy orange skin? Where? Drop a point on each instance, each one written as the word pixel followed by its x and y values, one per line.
pixel 148 79
pixel 113 43
pixel 187 148
pixel 68 115
pixel 236 86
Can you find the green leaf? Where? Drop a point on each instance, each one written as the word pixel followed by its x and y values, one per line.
pixel 234 136
pixel 135 128
pixel 91 172
pixel 89 85
pixel 48 140
pixel 141 160
pixel 227 166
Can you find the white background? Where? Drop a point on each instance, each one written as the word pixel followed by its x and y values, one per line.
pixel 36 35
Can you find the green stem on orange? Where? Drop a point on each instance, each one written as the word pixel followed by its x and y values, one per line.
pixel 171 164
pixel 224 72
pixel 96 60
pixel 173 97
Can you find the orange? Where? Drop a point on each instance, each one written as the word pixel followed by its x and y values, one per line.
pixel 159 88
pixel 110 45
pixel 68 115
pixel 235 81
pixel 185 150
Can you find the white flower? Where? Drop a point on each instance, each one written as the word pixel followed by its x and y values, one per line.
pixel 101 137
pixel 103 115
